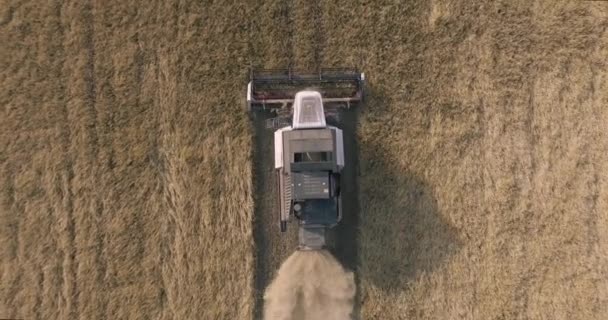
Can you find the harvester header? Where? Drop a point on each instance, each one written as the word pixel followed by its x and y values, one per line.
pixel 276 88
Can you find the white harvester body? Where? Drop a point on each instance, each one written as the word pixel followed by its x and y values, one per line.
pixel 308 152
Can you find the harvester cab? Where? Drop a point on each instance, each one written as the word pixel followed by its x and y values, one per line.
pixel 308 152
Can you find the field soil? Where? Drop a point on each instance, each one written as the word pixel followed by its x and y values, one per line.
pixel 133 184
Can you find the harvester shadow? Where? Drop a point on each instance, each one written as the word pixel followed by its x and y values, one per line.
pixel 389 214
pixel 343 238
pixel 403 234
pixel 344 242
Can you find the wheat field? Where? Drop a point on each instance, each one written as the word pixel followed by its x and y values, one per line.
pixel 132 181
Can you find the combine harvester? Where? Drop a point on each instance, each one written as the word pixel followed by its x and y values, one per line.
pixel 308 151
